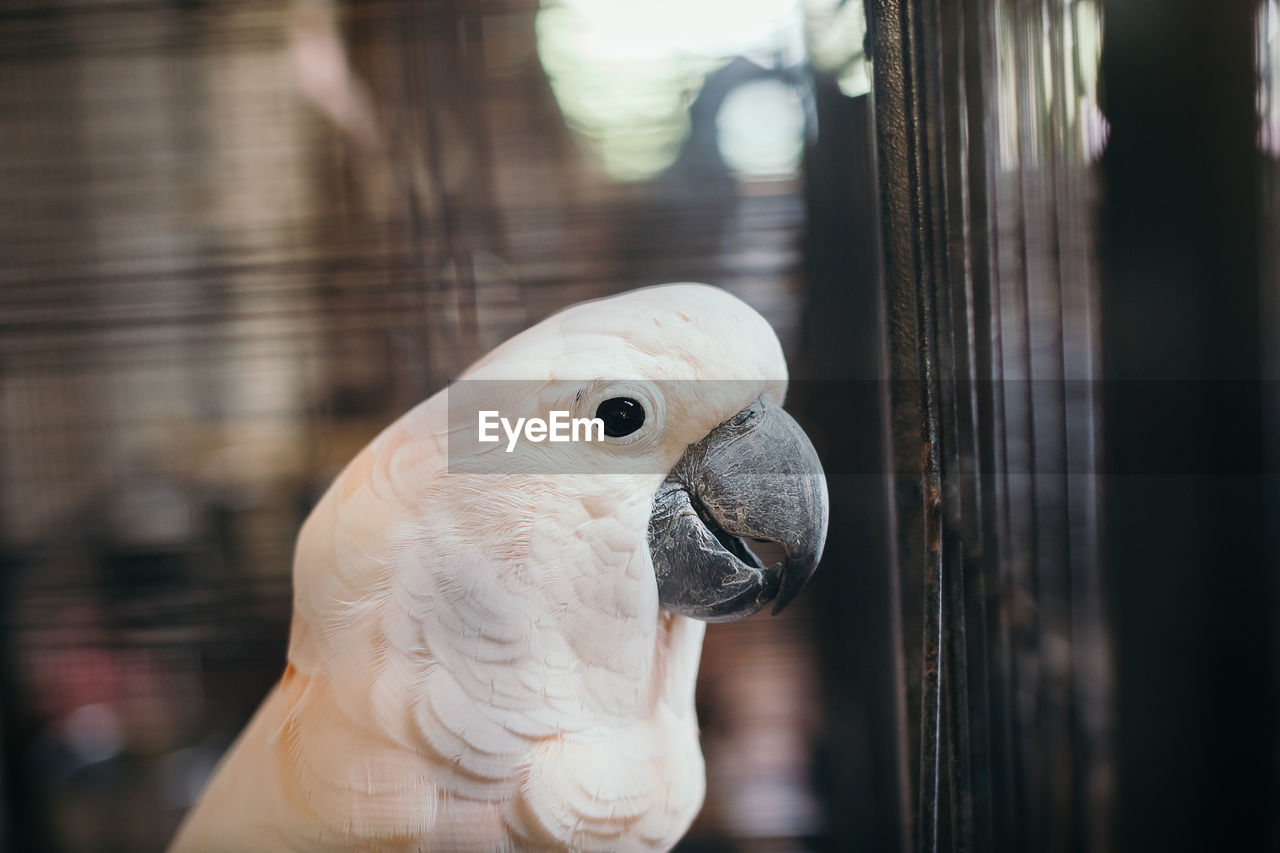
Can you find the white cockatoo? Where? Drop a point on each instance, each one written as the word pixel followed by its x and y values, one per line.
pixel 496 650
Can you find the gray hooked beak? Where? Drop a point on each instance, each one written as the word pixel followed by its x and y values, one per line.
pixel 753 486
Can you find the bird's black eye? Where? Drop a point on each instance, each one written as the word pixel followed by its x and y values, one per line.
pixel 621 416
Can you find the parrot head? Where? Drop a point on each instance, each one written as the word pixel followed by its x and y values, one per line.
pixel 688 382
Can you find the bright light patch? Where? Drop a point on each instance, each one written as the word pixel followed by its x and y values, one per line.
pixel 625 73
pixel 93 733
pixel 1087 35
pixel 1268 59
pixel 855 80
pixel 658 29
pixel 760 130
pixel 837 32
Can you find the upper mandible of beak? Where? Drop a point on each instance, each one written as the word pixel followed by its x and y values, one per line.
pixel 753 480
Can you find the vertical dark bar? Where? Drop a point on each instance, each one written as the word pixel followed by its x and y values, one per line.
pixel 1190 578
pixel 996 795
pixel 898 34
pixel 893 122
pixel 856 601
pixel 946 84
pixel 8 736
pixel 24 822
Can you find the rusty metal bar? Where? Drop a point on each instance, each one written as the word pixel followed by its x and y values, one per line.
pixel 897 32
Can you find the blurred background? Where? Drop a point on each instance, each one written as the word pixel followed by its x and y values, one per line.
pixel 240 238
pixel 1009 247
